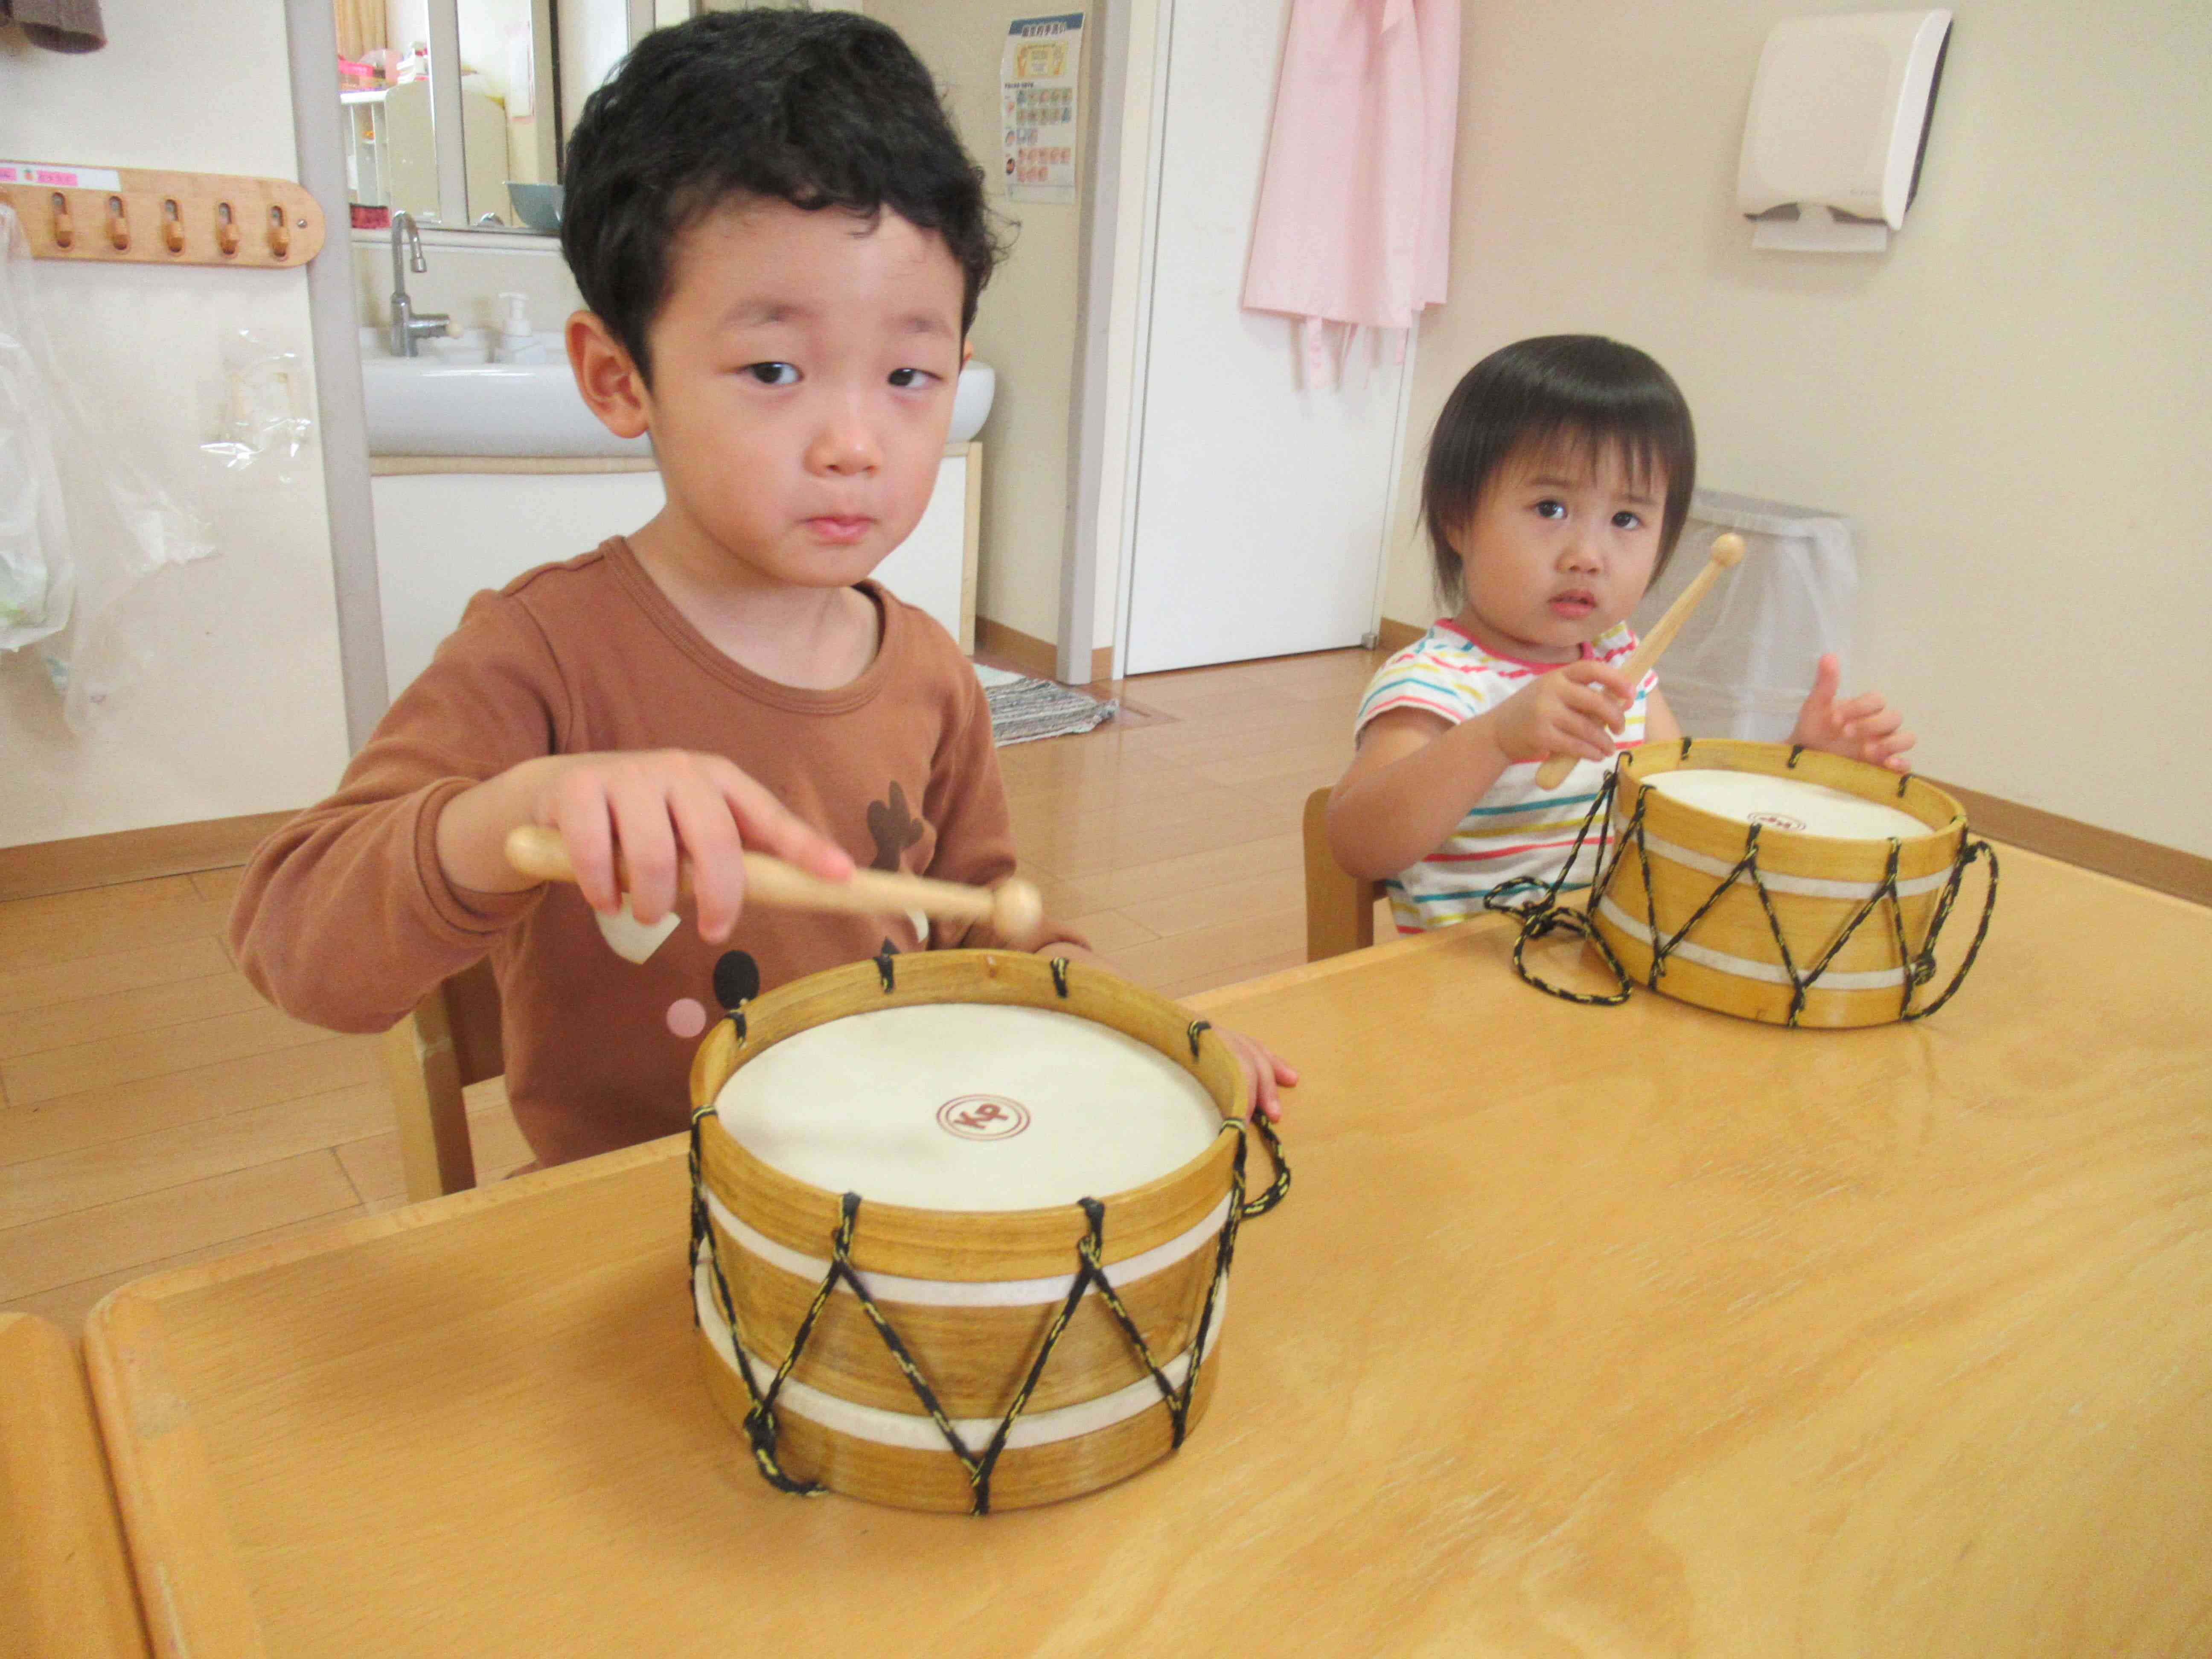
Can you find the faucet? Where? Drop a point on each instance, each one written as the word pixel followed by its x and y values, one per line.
pixel 407 328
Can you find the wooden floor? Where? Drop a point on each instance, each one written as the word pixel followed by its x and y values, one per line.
pixel 153 1110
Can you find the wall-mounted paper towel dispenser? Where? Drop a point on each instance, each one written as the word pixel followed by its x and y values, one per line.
pixel 1838 127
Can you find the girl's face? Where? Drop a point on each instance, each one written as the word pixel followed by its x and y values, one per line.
pixel 1560 548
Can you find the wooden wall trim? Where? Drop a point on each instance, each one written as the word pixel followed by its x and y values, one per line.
pixel 169 849
pixel 1026 653
pixel 2145 863
pixel 1394 635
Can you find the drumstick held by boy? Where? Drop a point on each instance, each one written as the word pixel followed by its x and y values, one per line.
pixel 780 242
pixel 1558 481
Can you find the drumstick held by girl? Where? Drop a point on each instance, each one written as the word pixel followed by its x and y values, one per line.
pixel 1559 478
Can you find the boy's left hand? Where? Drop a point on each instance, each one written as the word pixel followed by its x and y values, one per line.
pixel 1864 728
pixel 1264 1074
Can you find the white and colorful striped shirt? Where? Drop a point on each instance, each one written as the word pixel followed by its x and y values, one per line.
pixel 1516 829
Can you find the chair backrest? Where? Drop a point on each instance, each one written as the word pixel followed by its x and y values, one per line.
pixel 449 1041
pixel 1340 908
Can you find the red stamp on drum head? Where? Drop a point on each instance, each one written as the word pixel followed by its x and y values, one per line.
pixel 983 1117
pixel 1776 821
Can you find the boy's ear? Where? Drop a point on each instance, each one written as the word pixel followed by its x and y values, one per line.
pixel 967 351
pixel 613 389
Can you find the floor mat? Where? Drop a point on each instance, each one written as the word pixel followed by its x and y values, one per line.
pixel 1022 709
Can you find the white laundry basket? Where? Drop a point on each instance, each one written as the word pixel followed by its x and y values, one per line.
pixel 1742 665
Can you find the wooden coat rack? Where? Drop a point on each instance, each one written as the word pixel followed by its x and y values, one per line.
pixel 132 215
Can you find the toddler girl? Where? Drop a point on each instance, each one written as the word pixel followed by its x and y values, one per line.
pixel 1559 478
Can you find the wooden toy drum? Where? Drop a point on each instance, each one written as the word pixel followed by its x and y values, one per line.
pixel 1784 884
pixel 962 1223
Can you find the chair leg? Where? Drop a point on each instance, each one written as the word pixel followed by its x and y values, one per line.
pixel 425 1081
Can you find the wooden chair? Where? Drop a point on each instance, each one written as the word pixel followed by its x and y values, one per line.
pixel 1339 908
pixel 449 1041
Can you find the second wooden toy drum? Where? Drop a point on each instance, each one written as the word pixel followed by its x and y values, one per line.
pixel 1780 884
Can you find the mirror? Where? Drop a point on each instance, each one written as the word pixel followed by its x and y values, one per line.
pixel 458 111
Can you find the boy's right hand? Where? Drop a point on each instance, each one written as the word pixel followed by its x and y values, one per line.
pixel 1573 709
pixel 660 808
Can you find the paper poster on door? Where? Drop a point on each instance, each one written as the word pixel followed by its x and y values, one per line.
pixel 1038 81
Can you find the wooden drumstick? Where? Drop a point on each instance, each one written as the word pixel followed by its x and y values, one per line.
pixel 1727 548
pixel 1013 910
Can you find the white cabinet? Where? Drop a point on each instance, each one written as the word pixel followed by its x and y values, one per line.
pixel 444 536
pixel 935 567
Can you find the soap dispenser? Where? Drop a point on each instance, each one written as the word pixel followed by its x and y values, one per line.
pixel 517 343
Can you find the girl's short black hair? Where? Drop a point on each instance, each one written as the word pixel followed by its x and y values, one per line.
pixel 1582 389
pixel 822 109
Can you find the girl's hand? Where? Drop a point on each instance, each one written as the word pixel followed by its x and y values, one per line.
pixel 1264 1074
pixel 1865 728
pixel 1575 710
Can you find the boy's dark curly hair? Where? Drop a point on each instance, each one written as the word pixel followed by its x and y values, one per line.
pixel 818 109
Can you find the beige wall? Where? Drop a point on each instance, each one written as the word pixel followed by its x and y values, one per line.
pixel 1025 327
pixel 2014 404
pixel 243 712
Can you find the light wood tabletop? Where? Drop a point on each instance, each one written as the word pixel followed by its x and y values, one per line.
pixel 66 1589
pixel 1632 1331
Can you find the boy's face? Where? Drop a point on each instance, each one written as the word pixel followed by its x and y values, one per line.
pixel 1560 548
pixel 803 373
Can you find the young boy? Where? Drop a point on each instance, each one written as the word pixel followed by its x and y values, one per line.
pixel 1557 482
pixel 780 243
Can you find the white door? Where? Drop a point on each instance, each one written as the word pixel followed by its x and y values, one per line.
pixel 1262 506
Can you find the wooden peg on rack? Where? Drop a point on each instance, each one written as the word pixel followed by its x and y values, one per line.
pixel 173 228
pixel 64 227
pixel 226 229
pixel 280 233
pixel 118 225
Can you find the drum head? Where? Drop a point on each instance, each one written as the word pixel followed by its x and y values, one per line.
pixel 965 1106
pixel 1786 803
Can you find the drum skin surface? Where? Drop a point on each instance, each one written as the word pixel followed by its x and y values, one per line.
pixel 982 1094
pixel 1825 830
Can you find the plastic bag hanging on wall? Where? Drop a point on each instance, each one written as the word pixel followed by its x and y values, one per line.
pixel 262 424
pixel 120 525
pixel 38 580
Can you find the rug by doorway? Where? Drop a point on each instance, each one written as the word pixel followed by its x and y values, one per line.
pixel 1023 710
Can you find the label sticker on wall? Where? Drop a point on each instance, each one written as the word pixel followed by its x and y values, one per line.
pixel 59 178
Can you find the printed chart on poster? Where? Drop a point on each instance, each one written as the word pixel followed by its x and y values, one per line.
pixel 1038 81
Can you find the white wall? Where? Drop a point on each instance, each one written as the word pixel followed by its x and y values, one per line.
pixel 244 714
pixel 1026 326
pixel 2013 406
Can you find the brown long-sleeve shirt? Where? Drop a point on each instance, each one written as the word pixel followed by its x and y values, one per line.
pixel 345 917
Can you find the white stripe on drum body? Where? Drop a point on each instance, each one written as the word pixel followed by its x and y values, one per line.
pixel 968 1293
pixel 1806 886
pixel 912 1432
pixel 1878 979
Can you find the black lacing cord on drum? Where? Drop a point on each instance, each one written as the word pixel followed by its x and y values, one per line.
pixel 1543 914
pixel 760 1418
pixel 1059 966
pixel 884 960
pixel 1924 969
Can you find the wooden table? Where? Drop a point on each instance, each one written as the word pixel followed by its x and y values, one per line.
pixel 64 1585
pixel 1618 1332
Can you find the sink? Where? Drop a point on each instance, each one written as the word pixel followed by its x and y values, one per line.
pixel 453 400
pixel 971 402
